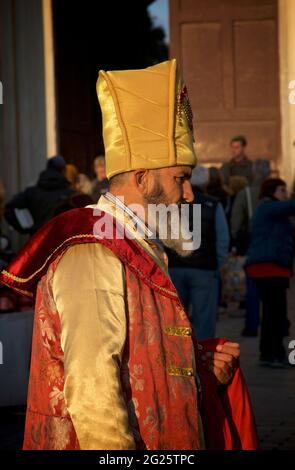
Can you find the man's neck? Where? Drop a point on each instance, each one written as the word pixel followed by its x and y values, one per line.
pixel 135 210
pixel 129 200
pixel 122 195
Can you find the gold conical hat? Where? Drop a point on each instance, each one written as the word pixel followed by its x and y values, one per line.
pixel 147 120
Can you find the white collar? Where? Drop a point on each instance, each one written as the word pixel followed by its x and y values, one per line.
pixel 146 232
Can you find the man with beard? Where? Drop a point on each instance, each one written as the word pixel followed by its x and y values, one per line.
pixel 114 362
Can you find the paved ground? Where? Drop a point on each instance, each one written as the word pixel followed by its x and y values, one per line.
pixel 272 390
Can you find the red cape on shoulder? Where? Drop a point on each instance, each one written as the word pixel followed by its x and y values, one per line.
pixel 71 228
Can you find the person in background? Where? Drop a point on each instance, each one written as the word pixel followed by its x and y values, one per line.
pixel 196 277
pixel 84 185
pixel 270 263
pixel 2 199
pixel 9 301
pixel 79 181
pixel 245 205
pixel 235 185
pixel 239 164
pixel 4 241
pixel 243 208
pixel 40 200
pixel 215 187
pixel 80 197
pixel 6 253
pixel 72 175
pixel 100 184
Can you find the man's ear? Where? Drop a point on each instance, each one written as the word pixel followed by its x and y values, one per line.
pixel 141 180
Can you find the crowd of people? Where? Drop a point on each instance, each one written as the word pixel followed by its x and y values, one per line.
pixel 59 188
pixel 247 241
pixel 246 254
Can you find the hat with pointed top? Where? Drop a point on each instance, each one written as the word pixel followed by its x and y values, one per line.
pixel 147 119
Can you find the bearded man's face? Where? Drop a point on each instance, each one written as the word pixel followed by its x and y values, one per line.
pixel 171 188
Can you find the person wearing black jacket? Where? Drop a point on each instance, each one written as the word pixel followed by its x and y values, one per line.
pixel 41 199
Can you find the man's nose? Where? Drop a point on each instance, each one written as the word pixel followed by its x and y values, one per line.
pixel 188 194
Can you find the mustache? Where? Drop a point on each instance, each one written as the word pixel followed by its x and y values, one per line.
pixel 180 203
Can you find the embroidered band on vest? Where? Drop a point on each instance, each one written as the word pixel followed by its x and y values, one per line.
pixel 178 330
pixel 181 371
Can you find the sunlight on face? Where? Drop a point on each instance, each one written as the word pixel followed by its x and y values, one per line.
pixel 171 186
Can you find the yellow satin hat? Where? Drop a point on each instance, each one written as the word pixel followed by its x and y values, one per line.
pixel 147 119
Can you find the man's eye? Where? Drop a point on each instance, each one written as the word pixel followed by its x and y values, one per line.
pixel 180 179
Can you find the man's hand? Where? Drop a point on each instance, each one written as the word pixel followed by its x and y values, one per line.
pixel 223 362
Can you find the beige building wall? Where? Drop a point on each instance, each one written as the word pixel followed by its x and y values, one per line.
pixel 229 54
pixel 287 94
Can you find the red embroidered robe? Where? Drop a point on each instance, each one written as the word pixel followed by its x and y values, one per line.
pixel 159 337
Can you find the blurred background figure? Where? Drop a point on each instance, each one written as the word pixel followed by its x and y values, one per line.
pixel 239 164
pixel 100 184
pixel 235 185
pixel 2 200
pixel 72 175
pixel 79 181
pixel 30 209
pixel 245 204
pixel 233 285
pixel 196 277
pixel 215 187
pixel 243 209
pixel 82 188
pixel 6 252
pixel 270 264
pixel 9 301
pixel 84 185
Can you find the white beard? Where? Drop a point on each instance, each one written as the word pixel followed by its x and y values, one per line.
pixel 172 228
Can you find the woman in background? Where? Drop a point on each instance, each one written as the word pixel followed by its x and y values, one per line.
pixel 270 264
